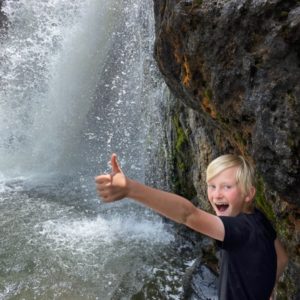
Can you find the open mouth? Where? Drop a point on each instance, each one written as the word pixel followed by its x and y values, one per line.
pixel 222 207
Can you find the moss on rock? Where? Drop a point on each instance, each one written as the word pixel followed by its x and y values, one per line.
pixel 261 201
pixel 182 162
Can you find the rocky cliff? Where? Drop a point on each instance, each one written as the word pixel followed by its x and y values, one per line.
pixel 233 67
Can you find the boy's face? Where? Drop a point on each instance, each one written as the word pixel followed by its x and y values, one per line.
pixel 225 195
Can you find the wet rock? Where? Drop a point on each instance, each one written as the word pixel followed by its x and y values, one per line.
pixel 238 63
pixel 3 18
pixel 201 283
pixel 233 68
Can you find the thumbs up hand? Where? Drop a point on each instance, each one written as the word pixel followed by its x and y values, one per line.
pixel 114 164
pixel 113 186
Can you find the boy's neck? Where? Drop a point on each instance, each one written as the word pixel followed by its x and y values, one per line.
pixel 248 208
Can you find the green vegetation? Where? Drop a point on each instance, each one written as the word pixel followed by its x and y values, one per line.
pixel 261 202
pixel 181 137
pixel 291 99
pixel 181 161
pixel 282 224
pixel 208 93
pixel 197 2
pixel 284 14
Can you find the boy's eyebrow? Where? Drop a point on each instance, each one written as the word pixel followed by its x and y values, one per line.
pixel 223 182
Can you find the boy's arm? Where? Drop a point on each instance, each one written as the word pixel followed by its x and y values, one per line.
pixel 116 186
pixel 282 260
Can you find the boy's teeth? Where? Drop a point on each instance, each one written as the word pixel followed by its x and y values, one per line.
pixel 222 207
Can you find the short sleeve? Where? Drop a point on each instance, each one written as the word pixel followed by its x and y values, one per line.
pixel 246 228
pixel 248 268
pixel 237 231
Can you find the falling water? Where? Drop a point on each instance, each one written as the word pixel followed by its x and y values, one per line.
pixel 78 82
pixel 52 70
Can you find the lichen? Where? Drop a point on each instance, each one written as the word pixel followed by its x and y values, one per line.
pixel 181 137
pixel 282 222
pixel 187 74
pixel 181 161
pixel 234 135
pixel 291 99
pixel 240 141
pixel 197 2
pixel 208 93
pixel 207 104
pixel 261 201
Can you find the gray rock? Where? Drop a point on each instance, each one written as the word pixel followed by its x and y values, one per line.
pixel 233 68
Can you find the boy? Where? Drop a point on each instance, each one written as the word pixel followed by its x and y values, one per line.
pixel 252 257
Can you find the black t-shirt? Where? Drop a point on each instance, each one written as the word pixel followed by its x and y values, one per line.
pixel 249 262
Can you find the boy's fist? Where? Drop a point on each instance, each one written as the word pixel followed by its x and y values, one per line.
pixel 113 186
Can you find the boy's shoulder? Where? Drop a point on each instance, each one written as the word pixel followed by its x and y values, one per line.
pixel 246 227
pixel 257 216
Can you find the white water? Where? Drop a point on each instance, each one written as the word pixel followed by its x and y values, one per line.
pixel 61 62
pixel 78 81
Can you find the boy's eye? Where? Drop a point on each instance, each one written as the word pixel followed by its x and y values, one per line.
pixel 227 187
pixel 224 187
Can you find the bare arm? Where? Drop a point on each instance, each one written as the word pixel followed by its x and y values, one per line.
pixel 282 260
pixel 116 186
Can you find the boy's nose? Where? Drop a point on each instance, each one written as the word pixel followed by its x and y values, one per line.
pixel 218 193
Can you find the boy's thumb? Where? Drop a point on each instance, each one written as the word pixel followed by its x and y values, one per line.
pixel 114 164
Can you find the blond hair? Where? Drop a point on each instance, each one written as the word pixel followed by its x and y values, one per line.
pixel 245 177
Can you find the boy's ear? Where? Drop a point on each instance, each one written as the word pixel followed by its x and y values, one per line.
pixel 250 194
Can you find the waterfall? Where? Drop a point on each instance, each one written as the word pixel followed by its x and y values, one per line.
pixel 73 77
pixel 78 82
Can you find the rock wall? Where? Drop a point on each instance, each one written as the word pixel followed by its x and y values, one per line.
pixel 233 68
